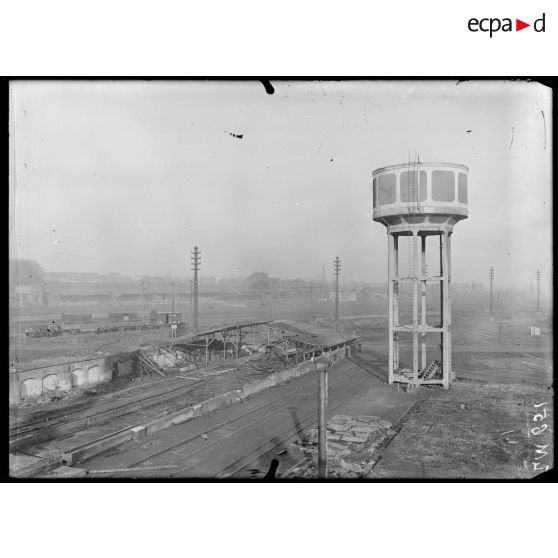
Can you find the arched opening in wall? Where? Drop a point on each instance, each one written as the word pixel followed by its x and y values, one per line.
pixel 50 382
pixel 94 375
pixel 32 387
pixel 78 378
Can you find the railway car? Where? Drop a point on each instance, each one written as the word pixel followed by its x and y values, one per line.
pixel 43 330
pixel 125 325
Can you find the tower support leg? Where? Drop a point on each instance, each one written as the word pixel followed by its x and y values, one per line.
pixel 391 255
pixel 445 310
pixel 414 284
pixel 423 298
pixel 396 302
pixel 417 325
pixel 450 366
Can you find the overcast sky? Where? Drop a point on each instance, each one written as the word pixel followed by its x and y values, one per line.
pixel 129 176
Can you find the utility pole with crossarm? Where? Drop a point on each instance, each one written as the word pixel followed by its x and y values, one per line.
pixel 337 271
pixel 196 262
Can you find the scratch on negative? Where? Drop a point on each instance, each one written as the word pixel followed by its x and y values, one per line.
pixel 482 436
pixel 544 123
pixel 511 142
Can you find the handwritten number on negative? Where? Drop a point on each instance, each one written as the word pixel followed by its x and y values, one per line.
pixel 538 429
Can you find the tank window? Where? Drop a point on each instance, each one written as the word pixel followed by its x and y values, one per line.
pixel 386 190
pixel 422 190
pixel 462 187
pixel 374 195
pixel 443 185
pixel 408 186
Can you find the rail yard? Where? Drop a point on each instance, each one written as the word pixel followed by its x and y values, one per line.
pixel 225 402
pixel 181 327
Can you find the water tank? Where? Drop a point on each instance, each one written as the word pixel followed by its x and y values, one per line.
pixel 420 194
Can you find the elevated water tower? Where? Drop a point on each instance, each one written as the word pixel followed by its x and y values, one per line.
pixel 420 201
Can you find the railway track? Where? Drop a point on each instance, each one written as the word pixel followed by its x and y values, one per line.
pixel 247 424
pixel 222 425
pixel 38 430
pixel 243 463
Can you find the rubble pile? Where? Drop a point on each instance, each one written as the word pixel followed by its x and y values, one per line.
pixel 57 394
pixel 352 446
pixel 269 361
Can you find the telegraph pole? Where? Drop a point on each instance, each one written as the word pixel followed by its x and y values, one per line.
pixel 322 422
pixel 172 310
pixel 196 259
pixel 538 290
pixel 491 275
pixel 337 271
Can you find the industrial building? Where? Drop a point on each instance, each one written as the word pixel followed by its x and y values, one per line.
pixel 290 341
pixel 165 318
pixel 344 295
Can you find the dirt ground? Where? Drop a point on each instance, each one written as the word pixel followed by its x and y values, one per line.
pixel 472 431
pixel 475 431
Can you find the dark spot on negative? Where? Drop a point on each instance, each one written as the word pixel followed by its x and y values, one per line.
pixel 239 136
pixel 268 87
